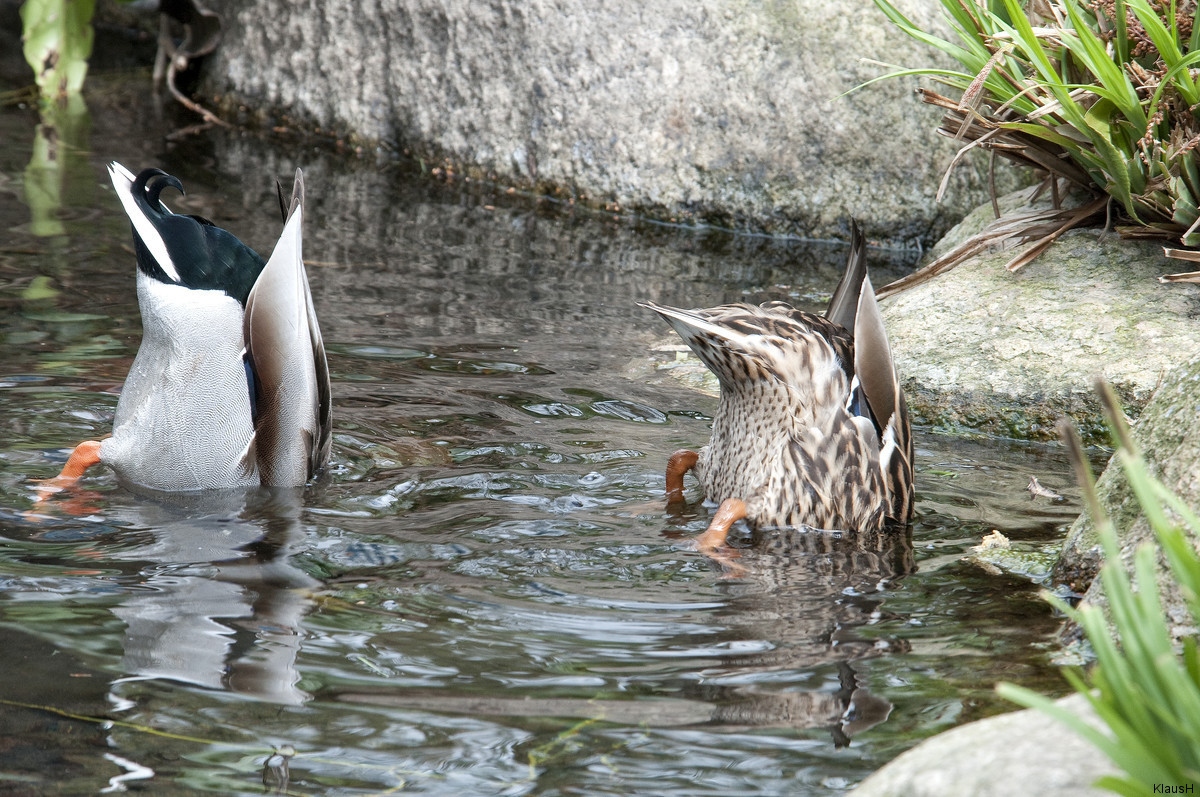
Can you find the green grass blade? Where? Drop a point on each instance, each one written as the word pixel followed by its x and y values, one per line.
pixel 964 57
pixel 1167 45
pixel 1027 42
pixel 1170 78
pixel 1122 786
pixel 1194 41
pixel 1145 692
pixel 1043 132
pixel 952 78
pixel 971 28
pixel 1121 32
pixel 1030 699
pixel 1091 51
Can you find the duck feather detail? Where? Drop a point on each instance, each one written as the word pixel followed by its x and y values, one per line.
pixel 812 428
pixel 284 343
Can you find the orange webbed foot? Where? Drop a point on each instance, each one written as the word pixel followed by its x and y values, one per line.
pixel 85 455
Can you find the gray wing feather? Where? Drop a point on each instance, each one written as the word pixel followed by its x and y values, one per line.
pixel 322 441
pixel 873 357
pixel 319 454
pixel 877 375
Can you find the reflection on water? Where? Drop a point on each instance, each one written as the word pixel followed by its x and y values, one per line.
pixel 485 594
pixel 224 604
pixel 217 602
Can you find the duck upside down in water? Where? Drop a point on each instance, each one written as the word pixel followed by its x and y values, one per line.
pixel 230 386
pixel 812 429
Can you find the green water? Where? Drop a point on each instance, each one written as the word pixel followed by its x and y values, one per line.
pixel 484 595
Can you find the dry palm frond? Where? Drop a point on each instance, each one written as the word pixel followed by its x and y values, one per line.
pixel 1042 226
pixel 1182 254
pixel 1014 144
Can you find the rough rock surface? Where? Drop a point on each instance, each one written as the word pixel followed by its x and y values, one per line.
pixel 1168 433
pixel 1025 752
pixel 710 111
pixel 983 349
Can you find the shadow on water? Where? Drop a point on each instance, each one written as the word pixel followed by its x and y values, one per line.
pixel 485 593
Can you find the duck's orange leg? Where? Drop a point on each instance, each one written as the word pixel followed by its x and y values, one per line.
pixel 729 512
pixel 85 455
pixel 680 463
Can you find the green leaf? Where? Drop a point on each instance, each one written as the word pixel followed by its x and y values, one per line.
pixel 1191 175
pixel 1026 39
pixel 1045 133
pixel 57 43
pixel 1194 42
pixel 1177 72
pixel 957 53
pixel 1145 691
pixel 959 79
pixel 1120 172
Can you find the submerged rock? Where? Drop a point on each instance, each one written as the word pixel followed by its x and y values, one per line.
pixel 1025 752
pixel 701 111
pixel 979 348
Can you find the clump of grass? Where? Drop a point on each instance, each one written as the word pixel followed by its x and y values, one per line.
pixel 1144 689
pixel 1100 95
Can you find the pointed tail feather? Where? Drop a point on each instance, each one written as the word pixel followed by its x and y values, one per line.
pixel 289 206
pixel 843 306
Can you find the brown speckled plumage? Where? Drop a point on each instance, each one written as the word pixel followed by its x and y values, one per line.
pixel 812 427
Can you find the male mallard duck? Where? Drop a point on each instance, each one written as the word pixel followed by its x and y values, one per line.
pixel 230 387
pixel 812 428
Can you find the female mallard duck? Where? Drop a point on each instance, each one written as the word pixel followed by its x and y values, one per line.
pixel 812 428
pixel 230 387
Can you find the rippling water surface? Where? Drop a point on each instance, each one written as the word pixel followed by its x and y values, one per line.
pixel 484 595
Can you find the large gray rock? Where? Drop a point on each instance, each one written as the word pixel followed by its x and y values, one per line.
pixel 1168 433
pixel 1025 752
pixel 983 349
pixel 702 111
